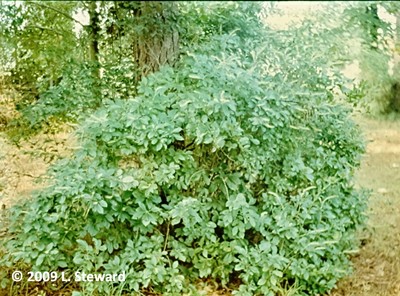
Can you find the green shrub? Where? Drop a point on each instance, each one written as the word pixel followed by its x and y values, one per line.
pixel 216 170
pixel 75 95
pixel 199 22
pixel 68 99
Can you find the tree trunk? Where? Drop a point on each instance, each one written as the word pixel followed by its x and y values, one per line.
pixel 94 26
pixel 158 43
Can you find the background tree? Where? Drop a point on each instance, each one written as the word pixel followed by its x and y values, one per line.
pixel 38 59
pixel 376 55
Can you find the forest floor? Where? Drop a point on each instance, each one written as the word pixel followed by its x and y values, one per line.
pixel 23 169
pixel 376 266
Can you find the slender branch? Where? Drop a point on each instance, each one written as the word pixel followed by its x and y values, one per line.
pixel 166 237
pixel 46 29
pixel 58 11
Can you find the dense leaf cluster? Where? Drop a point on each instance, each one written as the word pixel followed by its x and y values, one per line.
pixel 219 168
pixel 78 92
pixel 38 43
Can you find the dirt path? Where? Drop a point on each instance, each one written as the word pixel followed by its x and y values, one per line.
pixel 21 168
pixel 377 266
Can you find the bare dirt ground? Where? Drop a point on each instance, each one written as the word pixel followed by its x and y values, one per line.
pixel 22 169
pixel 376 266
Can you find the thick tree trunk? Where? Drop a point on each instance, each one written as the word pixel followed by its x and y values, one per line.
pixel 159 43
pixel 151 53
pixel 94 27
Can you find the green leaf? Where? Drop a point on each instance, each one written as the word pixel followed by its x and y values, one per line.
pixel 40 259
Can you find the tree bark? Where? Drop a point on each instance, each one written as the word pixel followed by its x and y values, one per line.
pixel 94 26
pixel 158 44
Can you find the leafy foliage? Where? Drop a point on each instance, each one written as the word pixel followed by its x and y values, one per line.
pixel 71 97
pixel 234 165
pixel 78 92
pixel 219 18
pixel 50 46
pixel 376 54
pixel 39 51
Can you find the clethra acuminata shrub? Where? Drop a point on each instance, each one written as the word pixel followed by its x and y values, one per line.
pixel 213 171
